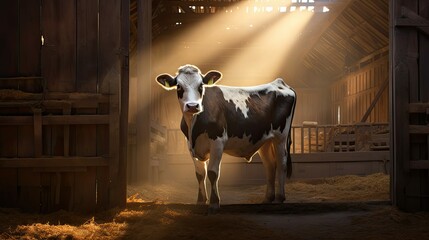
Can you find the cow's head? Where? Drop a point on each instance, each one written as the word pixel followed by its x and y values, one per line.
pixel 189 83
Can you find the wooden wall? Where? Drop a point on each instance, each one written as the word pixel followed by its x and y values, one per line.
pixel 63 104
pixel 354 93
pixel 312 105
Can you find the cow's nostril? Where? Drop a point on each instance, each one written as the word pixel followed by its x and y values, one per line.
pixel 192 105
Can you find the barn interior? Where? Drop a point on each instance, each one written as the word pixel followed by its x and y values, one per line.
pixel 333 53
pixel 79 105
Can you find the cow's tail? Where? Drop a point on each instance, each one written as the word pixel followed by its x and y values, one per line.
pixel 289 139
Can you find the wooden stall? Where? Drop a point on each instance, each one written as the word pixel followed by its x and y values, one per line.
pixel 63 104
pixel 409 91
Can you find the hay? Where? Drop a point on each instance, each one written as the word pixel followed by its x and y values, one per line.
pixel 341 188
pixel 145 218
pixel 344 188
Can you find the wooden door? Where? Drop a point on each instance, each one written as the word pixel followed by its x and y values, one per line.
pixel 409 88
pixel 63 104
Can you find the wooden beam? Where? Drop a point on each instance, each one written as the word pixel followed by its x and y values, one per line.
pixel 144 83
pixel 377 97
pixel 418 107
pixel 75 119
pixel 43 162
pixel 419 129
pixel 299 158
pixel 56 120
pixel 316 37
pixel 412 19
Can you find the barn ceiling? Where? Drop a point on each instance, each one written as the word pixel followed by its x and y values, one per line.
pixel 342 34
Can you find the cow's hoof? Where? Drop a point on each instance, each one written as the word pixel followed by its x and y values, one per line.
pixel 213 209
pixel 279 199
pixel 268 199
pixel 201 203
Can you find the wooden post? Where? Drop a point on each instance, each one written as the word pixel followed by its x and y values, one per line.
pixel 144 75
pixel 124 91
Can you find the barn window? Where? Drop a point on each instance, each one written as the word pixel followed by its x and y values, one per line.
pixel 339 114
pixel 325 9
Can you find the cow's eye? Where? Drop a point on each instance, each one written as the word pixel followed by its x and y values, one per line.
pixel 179 87
pixel 200 88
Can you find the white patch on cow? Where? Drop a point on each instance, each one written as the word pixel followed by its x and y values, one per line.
pixel 238 97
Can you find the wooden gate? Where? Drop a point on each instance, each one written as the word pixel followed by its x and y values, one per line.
pixel 409 88
pixel 63 104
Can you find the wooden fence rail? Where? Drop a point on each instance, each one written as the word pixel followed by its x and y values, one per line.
pixel 313 138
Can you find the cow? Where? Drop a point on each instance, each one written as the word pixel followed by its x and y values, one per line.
pixel 239 121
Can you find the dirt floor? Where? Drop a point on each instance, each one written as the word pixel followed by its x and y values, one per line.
pixel 348 207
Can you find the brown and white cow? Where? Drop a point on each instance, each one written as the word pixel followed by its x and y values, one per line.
pixel 239 121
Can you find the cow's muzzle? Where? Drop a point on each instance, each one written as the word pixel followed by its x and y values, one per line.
pixel 192 108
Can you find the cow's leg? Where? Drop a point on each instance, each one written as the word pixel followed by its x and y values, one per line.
pixel 268 159
pixel 280 153
pixel 213 172
pixel 201 173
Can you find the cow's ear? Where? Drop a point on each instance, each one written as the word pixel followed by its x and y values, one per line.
pixel 212 77
pixel 166 81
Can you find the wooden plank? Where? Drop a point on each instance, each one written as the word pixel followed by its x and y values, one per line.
pixel 418 107
pixel 404 91
pixel 25 142
pixel 37 126
pixel 29 190
pixel 57 120
pixel 57 140
pixel 59 169
pixel 109 82
pixel 320 157
pixel 124 92
pixel 87 46
pixel 59 49
pixel 30 42
pixel 53 162
pixel 103 175
pixel 66 111
pixel 86 137
pixel 96 97
pixel 85 144
pixel 377 97
pixel 8 187
pixel 324 157
pixel 8 141
pixel 424 91
pixel 412 19
pixel 9 26
pixel 85 193
pixel 103 185
pixel 51 104
pixel 75 119
pixel 424 56
pixel 419 164
pixel 144 46
pixel 67 191
pixel 47 192
pixel 418 129
pixel 15 120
